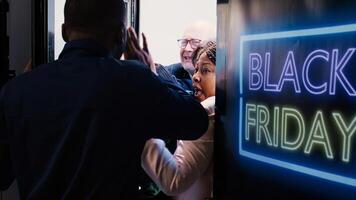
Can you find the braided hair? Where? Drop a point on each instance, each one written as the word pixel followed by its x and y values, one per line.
pixel 209 48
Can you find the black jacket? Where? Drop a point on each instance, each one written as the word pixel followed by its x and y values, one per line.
pixel 183 77
pixel 75 128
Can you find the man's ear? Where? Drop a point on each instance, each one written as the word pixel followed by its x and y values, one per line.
pixel 122 37
pixel 121 43
pixel 64 32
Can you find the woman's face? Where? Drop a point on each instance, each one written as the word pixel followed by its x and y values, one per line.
pixel 204 78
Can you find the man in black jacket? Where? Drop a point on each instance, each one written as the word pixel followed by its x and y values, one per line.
pixel 75 128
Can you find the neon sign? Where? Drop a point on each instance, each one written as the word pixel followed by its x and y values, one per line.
pixel 289 72
pixel 291 84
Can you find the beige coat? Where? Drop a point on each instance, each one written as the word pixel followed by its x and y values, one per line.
pixel 187 174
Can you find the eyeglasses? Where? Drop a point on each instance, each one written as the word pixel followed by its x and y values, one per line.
pixel 194 43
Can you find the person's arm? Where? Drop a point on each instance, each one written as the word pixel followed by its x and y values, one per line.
pixel 6 173
pixel 176 173
pixel 170 112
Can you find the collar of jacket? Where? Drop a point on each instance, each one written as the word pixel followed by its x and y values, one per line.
pixel 86 47
pixel 181 72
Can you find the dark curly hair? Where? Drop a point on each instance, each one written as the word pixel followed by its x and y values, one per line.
pixel 209 48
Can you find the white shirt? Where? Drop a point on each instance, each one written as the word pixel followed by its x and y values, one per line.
pixel 187 174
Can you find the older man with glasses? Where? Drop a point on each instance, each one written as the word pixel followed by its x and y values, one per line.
pixel 194 34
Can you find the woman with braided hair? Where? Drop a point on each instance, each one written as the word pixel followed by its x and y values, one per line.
pixel 187 174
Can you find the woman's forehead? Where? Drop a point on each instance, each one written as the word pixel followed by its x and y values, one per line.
pixel 203 59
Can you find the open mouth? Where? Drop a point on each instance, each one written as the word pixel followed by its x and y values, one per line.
pixel 187 58
pixel 197 92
